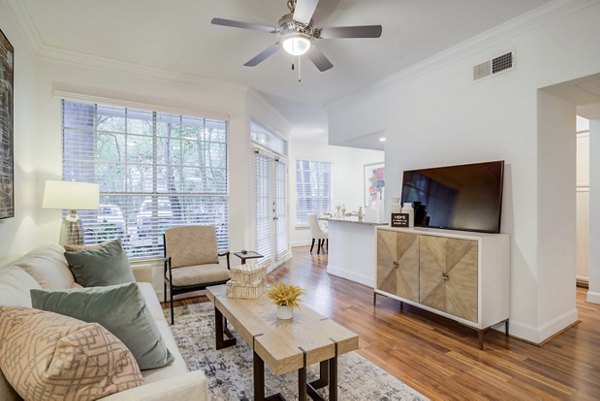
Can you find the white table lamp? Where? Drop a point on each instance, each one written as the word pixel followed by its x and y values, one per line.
pixel 71 195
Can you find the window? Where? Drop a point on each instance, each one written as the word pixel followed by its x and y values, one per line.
pixel 267 139
pixel 155 171
pixel 313 184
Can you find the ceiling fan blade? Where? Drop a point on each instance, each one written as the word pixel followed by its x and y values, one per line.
pixel 260 57
pixel 318 58
pixel 243 25
pixel 361 31
pixel 304 10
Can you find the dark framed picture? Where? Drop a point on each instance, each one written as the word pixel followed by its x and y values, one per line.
pixel 7 167
pixel 399 220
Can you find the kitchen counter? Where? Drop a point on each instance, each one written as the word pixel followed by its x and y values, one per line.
pixel 352 249
pixel 354 220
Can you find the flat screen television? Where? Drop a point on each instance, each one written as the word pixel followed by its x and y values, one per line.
pixel 466 197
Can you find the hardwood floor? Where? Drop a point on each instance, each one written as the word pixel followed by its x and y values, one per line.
pixel 440 358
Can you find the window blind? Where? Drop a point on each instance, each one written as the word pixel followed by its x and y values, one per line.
pixel 155 171
pixel 264 208
pixel 281 207
pixel 313 188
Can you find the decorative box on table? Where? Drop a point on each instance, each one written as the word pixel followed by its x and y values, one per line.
pixel 247 282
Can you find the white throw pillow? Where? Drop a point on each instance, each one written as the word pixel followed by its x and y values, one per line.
pixel 47 264
pixel 15 285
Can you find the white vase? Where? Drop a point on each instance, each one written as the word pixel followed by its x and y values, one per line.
pixel 408 209
pixel 284 312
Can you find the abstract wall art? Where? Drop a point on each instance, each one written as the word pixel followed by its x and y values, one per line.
pixel 7 199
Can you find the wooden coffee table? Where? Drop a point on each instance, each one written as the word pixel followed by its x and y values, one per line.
pixel 284 345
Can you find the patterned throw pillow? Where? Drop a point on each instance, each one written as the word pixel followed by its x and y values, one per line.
pixel 47 356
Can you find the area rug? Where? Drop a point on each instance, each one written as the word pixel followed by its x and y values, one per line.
pixel 229 371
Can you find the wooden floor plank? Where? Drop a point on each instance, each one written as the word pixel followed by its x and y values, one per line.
pixel 440 358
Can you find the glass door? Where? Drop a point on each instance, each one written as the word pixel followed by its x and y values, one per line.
pixel 271 209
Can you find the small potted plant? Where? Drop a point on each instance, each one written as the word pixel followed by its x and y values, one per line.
pixel 286 297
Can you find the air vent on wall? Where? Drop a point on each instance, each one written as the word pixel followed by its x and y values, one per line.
pixel 493 66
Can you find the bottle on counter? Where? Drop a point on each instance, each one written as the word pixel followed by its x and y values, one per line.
pixel 361 214
pixel 407 208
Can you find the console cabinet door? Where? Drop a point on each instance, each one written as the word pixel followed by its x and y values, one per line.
pixel 448 275
pixel 398 264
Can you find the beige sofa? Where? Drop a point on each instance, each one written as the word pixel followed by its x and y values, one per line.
pixel 46 267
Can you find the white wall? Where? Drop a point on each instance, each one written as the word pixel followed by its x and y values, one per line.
pixel 18 234
pixel 347 176
pixel 556 208
pixel 38 146
pixel 438 116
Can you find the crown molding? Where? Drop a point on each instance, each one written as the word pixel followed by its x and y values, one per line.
pixel 515 27
pixel 25 24
pixel 59 55
pixel 257 98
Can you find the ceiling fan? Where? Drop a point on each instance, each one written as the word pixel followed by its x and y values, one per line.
pixel 297 34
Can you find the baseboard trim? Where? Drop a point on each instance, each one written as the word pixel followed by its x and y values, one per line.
pixel 557 325
pixel 524 332
pixel 546 332
pixel 352 276
pixel 593 297
pixel 582 282
pixel 553 336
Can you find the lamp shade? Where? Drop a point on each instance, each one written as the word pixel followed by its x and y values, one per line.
pixel 71 195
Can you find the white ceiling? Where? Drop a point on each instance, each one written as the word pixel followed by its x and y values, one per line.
pixel 177 35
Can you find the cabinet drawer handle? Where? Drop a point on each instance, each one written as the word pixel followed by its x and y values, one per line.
pixel 445 277
pixel 395 263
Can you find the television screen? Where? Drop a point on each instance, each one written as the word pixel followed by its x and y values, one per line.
pixel 466 197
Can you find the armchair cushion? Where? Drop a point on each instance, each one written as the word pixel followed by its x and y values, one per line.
pixel 202 274
pixel 191 245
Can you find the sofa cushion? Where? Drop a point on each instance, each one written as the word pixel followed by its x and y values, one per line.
pixel 105 266
pixel 15 285
pixel 152 302
pixel 47 264
pixel 121 309
pixel 46 356
pixel 177 368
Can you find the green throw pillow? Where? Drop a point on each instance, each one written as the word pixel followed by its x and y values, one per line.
pixel 107 265
pixel 120 309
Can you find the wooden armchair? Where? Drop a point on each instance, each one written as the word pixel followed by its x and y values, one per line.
pixel 192 261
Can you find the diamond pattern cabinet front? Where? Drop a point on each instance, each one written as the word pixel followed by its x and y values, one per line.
pixel 398 264
pixel 448 275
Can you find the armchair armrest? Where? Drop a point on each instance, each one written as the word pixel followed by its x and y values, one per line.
pixel 191 386
pixel 226 253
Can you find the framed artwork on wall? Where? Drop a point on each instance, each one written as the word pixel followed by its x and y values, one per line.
pixel 7 167
pixel 374 182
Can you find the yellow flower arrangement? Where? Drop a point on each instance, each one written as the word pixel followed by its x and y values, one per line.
pixel 283 294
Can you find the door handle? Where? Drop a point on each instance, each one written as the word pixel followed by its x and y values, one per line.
pixel 396 264
pixel 275 218
pixel 445 277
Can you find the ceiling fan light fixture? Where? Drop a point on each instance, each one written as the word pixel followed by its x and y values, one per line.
pixel 296 44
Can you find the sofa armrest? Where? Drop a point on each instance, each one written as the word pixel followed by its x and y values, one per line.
pixel 191 386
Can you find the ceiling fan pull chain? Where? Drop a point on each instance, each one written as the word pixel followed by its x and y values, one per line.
pixel 299 70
